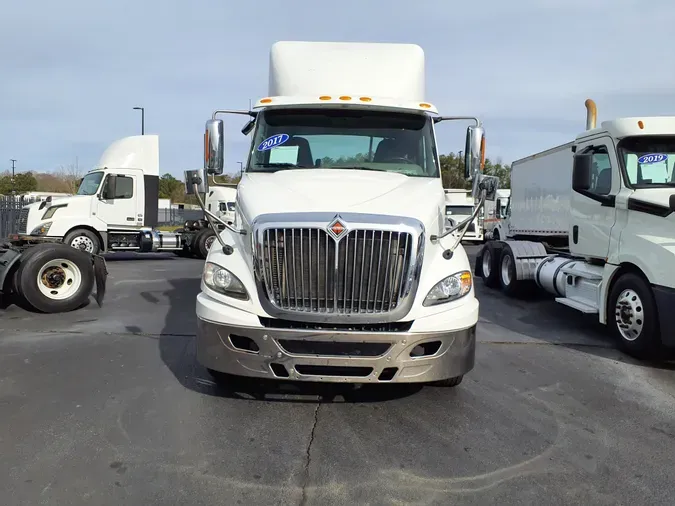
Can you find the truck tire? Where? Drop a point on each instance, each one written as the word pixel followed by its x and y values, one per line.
pixel 183 253
pixel 54 278
pixel 490 261
pixel 449 382
pixel 633 318
pixel 495 235
pixel 507 272
pixel 84 240
pixel 204 241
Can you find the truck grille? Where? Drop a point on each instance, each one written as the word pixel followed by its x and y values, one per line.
pixel 23 220
pixel 307 270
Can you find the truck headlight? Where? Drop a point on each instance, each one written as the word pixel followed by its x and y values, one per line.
pixel 451 288
pixel 50 212
pixel 223 281
pixel 42 229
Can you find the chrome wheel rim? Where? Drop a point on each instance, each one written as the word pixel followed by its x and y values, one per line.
pixel 629 314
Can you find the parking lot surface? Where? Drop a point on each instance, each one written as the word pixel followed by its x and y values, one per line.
pixel 108 406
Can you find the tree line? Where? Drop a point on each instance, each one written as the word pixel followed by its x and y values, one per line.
pixel 66 179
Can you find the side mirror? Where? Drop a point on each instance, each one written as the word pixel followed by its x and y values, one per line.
pixel 581 172
pixel 474 151
pixel 110 188
pixel 196 177
pixel 671 202
pixel 213 147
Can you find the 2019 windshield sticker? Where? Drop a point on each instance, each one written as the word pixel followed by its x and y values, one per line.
pixel 273 142
pixel 652 158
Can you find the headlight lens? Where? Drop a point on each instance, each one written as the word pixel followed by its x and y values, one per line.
pixel 50 212
pixel 223 281
pixel 451 288
pixel 42 229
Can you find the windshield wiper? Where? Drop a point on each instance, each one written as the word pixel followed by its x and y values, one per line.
pixel 357 167
pixel 278 166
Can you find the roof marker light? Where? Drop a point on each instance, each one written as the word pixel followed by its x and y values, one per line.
pixel 345 97
pixel 265 100
pixel 641 125
pixel 324 97
pixel 424 105
pixel 365 99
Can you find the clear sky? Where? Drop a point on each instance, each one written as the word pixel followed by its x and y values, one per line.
pixel 71 71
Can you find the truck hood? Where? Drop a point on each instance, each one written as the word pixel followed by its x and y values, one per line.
pixel 76 205
pixel 336 190
pixel 657 196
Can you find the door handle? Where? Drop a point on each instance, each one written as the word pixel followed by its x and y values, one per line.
pixel 130 218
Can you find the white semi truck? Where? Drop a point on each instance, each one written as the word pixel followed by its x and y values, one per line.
pixel 495 215
pixel 459 205
pixel 338 266
pixel 593 223
pixel 116 208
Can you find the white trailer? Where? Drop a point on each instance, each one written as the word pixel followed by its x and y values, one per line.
pixel 459 206
pixel 116 208
pixel 339 265
pixel 592 223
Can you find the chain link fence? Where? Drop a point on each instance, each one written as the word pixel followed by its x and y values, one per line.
pixel 177 217
pixel 10 211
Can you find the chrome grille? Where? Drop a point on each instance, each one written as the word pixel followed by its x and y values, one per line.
pixel 366 271
pixel 23 220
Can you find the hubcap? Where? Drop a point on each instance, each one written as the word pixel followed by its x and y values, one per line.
pixel 487 263
pixel 82 242
pixel 59 279
pixel 629 315
pixel 209 242
pixel 506 269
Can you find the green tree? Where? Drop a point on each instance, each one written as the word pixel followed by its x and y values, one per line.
pixel 171 188
pixel 452 172
pixel 23 182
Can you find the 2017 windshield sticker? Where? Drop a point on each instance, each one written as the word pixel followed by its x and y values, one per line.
pixel 273 142
pixel 652 158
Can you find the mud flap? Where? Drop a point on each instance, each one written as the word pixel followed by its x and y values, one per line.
pixel 7 259
pixel 101 274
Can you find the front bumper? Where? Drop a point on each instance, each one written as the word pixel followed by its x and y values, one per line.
pixel 335 355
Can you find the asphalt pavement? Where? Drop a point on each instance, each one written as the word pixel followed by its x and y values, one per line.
pixel 108 406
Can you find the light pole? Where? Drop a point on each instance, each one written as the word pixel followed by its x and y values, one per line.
pixel 13 187
pixel 142 109
pixel 241 169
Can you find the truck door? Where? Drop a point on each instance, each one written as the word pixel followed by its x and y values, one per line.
pixel 122 210
pixel 593 213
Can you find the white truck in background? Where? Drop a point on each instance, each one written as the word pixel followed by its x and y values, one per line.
pixel 339 265
pixel 116 208
pixel 494 224
pixel 459 206
pixel 593 223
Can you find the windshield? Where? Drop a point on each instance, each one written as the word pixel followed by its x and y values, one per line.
pixel 344 139
pixel 648 160
pixel 460 210
pixel 90 183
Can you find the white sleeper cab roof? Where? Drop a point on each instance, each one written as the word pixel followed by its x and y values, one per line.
pixel 349 73
pixel 136 152
pixel 624 127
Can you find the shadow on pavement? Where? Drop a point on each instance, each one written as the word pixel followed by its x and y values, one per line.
pixel 538 316
pixel 178 352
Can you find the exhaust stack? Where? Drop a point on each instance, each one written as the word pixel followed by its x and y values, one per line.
pixel 591 114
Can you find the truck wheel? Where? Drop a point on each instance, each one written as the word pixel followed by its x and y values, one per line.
pixel 55 278
pixel 490 264
pixel 204 241
pixel 449 382
pixel 84 240
pixel 507 272
pixel 183 253
pixel 632 316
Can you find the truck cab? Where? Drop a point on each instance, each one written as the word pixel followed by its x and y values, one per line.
pixel 113 203
pixel 459 205
pixel 222 202
pixel 593 222
pixel 338 266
